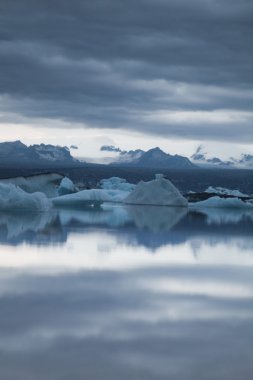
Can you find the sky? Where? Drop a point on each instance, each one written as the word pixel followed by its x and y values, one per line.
pixel 132 73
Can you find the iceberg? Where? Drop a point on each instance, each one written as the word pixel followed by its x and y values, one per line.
pixel 13 198
pixel 116 183
pixel 45 183
pixel 224 203
pixel 92 197
pixel 158 192
pixel 66 187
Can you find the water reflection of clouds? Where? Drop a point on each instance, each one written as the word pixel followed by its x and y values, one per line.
pixel 101 250
pixel 130 321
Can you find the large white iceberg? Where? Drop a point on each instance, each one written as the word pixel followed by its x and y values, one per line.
pixel 224 203
pixel 45 183
pixel 159 192
pixel 116 183
pixel 90 197
pixel 12 198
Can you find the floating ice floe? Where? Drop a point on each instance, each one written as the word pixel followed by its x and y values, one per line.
pixel 224 191
pixel 66 187
pixel 116 183
pixel 90 197
pixel 223 202
pixel 45 183
pixel 13 198
pixel 158 192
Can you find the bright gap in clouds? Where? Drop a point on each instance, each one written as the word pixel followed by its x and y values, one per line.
pixel 89 141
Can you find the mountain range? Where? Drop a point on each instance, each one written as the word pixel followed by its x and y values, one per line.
pixel 201 158
pixel 156 158
pixel 153 158
pixel 17 153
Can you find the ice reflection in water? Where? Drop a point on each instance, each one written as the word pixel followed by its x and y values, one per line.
pixel 126 293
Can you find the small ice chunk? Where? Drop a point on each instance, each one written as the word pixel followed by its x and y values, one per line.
pixel 13 198
pixel 66 187
pixel 159 192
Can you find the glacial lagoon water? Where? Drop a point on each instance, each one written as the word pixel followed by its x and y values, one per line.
pixel 141 293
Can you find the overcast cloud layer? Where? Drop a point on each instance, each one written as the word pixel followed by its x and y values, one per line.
pixel 176 68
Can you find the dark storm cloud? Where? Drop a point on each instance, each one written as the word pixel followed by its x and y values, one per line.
pixel 110 63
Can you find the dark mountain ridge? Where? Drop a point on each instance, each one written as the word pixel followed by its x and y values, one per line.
pixel 17 153
pixel 155 158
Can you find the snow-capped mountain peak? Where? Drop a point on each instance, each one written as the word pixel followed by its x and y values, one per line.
pixel 51 152
pixel 202 158
pixel 154 157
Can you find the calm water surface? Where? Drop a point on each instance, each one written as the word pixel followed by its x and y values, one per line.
pixel 126 293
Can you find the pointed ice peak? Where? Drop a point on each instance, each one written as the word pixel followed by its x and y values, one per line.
pixel 159 176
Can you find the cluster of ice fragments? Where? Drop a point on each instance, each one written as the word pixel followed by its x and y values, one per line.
pixel 59 191
pixel 159 192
